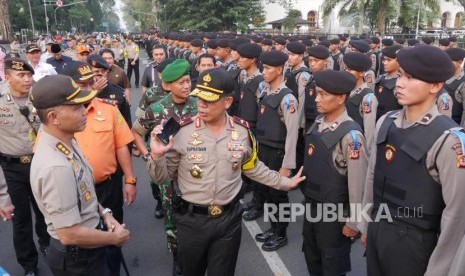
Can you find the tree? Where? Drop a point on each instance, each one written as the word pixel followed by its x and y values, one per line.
pixel 292 16
pixel 5 25
pixel 353 9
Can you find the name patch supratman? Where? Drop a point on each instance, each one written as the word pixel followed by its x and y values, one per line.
pixel 196 149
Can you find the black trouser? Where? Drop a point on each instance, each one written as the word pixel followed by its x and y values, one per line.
pixel 398 249
pixel 273 158
pixel 19 189
pixel 155 191
pixel 208 244
pixel 134 67
pixel 326 249
pixel 110 195
pixel 73 261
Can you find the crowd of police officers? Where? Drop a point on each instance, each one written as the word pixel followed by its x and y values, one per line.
pixel 357 120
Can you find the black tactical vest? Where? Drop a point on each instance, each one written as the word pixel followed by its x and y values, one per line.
pixel 310 106
pixel 384 91
pixel 247 108
pixel 337 59
pixel 457 108
pixel 291 82
pixel 324 182
pixel 271 131
pixel 236 93
pixel 401 179
pixel 353 106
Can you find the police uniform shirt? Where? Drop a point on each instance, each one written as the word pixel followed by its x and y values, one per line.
pixel 63 185
pixel 442 165
pixel 4 197
pixel 244 78
pixel 218 160
pixel 367 110
pixel 459 95
pixel 345 163
pixel 70 53
pixel 16 135
pixel 131 51
pixel 150 76
pixel 41 70
pixel 302 79
pixel 118 51
pixel 288 112
pixel 370 79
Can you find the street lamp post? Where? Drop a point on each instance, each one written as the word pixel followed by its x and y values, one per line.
pixel 63 6
pixel 418 19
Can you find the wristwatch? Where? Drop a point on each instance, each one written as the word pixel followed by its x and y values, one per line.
pixel 130 180
pixel 146 156
pixel 107 211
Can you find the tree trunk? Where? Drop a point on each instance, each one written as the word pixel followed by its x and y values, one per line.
pixel 381 18
pixel 5 24
pixel 361 20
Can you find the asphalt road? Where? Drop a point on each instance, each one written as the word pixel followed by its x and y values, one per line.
pixel 146 252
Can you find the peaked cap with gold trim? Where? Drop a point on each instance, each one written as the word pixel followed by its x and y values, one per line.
pixel 213 84
pixel 18 64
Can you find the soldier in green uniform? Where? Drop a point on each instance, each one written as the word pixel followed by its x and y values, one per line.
pixel 175 78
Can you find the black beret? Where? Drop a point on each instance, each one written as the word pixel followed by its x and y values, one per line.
pixel 267 42
pixel 212 44
pixel 97 61
pixel 280 40
pixel 387 42
pixel 357 61
pixel 427 40
pixel 456 54
pixel 233 44
pixel 326 80
pixel 360 45
pixel 368 40
pixel 307 42
pixel 354 38
pixel 391 51
pixel 17 64
pixel 212 84
pixel 318 51
pixel 400 41
pixel 197 42
pixel 375 40
pixel 452 38
pixel 78 71
pixel 249 50
pixel 32 48
pixel 412 42
pixel 55 48
pixel 257 39
pixel 444 42
pixel 427 63
pixel 334 41
pixel 55 90
pixel 274 58
pixel 223 43
pixel 324 43
pixel 343 38
pixel 164 63
pixel 322 38
pixel 296 47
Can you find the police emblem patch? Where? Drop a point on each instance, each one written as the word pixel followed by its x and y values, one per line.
pixel 311 150
pixel 390 153
pixel 460 161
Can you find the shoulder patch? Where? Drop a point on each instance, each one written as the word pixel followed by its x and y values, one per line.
pixel 241 122
pixel 186 121
pixel 459 133
pixel 354 148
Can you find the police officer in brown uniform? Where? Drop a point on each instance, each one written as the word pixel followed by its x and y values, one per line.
pixel 335 165
pixel 18 129
pixel 415 175
pixel 208 155
pixel 63 185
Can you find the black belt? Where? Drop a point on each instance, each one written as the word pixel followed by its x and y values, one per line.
pixel 24 159
pixel 76 250
pixel 209 210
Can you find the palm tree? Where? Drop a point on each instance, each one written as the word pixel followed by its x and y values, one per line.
pixel 5 24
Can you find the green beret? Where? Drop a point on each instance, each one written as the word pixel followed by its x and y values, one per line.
pixel 175 70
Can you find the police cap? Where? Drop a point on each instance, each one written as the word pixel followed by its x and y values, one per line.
pixel 412 42
pixel 391 51
pixel 32 48
pixel 335 82
pixel 97 61
pixel 78 71
pixel 274 58
pixel 318 51
pixel 360 45
pixel 296 47
pixel 249 50
pixel 55 90
pixel 456 54
pixel 17 64
pixel 444 42
pixel 357 61
pixel 427 63
pixel 213 84
pixel 427 40
pixel 387 42
pixel 280 40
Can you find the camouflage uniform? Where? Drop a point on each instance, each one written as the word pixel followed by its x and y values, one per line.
pixel 152 95
pixel 154 114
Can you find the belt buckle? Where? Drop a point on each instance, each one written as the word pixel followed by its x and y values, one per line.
pixel 25 159
pixel 215 211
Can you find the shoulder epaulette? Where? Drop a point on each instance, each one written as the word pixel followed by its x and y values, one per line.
pixel 241 122
pixel 108 101
pixel 186 121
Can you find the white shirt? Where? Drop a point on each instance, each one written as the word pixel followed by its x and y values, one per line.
pixel 41 70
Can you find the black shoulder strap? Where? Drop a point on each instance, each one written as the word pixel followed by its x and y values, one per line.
pixel 276 99
pixel 331 138
pixel 384 128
